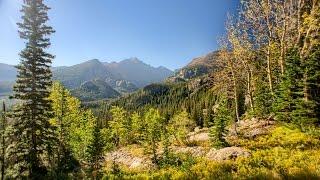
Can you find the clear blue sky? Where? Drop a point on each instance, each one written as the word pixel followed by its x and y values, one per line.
pixel 159 32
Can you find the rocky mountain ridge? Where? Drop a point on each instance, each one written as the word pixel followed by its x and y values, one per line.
pixel 125 76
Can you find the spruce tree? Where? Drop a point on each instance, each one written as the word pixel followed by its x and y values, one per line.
pixel 313 64
pixel 32 130
pixel 290 105
pixel 306 111
pixel 3 140
pixel 290 88
pixel 95 153
pixel 219 129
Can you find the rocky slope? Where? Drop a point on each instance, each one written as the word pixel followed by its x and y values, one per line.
pixel 197 67
pixel 133 157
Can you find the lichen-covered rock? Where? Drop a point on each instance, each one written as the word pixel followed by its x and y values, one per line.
pixel 199 135
pixel 252 128
pixel 127 159
pixel 227 153
pixel 195 151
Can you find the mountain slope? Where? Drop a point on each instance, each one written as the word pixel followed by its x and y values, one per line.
pixel 95 89
pixel 197 67
pixel 137 72
pixel 73 76
pixel 7 72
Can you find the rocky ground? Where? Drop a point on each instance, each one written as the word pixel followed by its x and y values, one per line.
pixel 253 128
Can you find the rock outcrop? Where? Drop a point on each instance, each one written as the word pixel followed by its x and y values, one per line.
pixel 228 153
pixel 252 128
pixel 129 160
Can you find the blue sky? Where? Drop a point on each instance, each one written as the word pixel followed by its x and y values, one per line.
pixel 159 32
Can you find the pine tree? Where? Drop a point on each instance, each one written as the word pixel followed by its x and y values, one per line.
pixel 313 64
pixel 95 152
pixel 291 105
pixel 290 88
pixel 32 130
pixel 306 111
pixel 3 144
pixel 219 129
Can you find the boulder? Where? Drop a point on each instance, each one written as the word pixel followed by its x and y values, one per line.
pixel 127 159
pixel 195 151
pixel 252 128
pixel 199 135
pixel 228 153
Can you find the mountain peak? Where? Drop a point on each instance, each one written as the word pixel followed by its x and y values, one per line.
pixel 93 61
pixel 163 68
pixel 133 60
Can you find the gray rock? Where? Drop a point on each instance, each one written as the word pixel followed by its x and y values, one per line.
pixel 227 153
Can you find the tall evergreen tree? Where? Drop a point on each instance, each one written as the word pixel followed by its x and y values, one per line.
pixel 313 64
pixel 306 111
pixel 290 88
pixel 3 144
pixel 291 105
pixel 219 129
pixel 32 130
pixel 95 152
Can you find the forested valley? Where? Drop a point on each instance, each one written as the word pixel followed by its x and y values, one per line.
pixel 249 110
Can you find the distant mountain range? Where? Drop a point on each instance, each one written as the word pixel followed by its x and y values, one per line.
pixel 7 72
pixel 95 80
pixel 121 77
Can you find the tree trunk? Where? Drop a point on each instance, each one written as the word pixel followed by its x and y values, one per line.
pixel 235 93
pixel 269 72
pixel 306 94
pixel 283 44
pixel 249 76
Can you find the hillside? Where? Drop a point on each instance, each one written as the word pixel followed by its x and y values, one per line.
pixel 93 90
pixel 196 68
pixel 73 76
pixel 7 72
pixel 6 87
pixel 194 96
